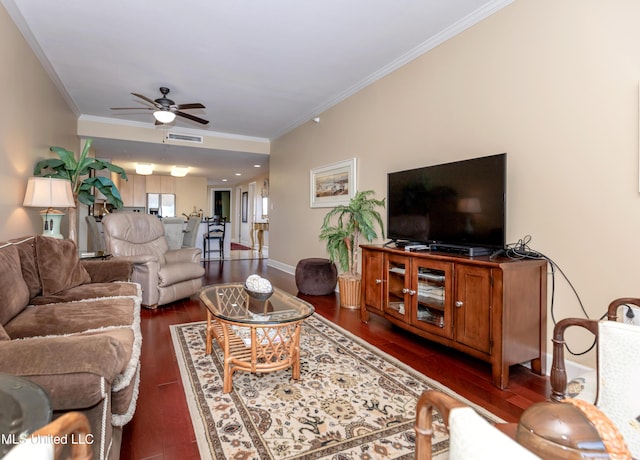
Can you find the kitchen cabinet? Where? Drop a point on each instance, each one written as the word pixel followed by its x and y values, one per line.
pixel 161 184
pixel 133 191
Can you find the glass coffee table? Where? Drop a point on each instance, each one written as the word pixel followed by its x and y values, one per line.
pixel 255 335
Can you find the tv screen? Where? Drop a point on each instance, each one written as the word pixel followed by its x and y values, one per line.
pixel 461 203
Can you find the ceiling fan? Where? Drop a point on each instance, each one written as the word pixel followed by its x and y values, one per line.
pixel 165 110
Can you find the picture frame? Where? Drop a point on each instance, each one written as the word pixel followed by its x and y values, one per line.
pixel 333 184
pixel 245 206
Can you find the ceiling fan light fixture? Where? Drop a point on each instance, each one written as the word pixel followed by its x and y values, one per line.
pixel 179 171
pixel 164 116
pixel 144 169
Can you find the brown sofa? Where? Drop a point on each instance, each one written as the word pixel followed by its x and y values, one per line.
pixel 72 327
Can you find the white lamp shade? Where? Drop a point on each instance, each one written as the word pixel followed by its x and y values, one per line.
pixel 164 116
pixel 46 192
pixel 179 171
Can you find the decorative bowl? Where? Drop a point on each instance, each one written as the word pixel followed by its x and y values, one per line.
pixel 258 295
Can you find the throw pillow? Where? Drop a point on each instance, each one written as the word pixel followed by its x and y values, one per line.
pixel 27 251
pixel 14 293
pixel 59 265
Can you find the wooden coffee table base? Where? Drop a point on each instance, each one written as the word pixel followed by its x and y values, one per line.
pixel 256 347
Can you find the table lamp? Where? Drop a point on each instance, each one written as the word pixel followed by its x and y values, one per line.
pixel 47 192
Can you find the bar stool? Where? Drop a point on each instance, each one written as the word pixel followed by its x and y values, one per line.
pixel 215 231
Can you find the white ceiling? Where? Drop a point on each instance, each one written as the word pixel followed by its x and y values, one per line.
pixel 261 68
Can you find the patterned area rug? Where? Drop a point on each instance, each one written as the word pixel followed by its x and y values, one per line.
pixel 353 401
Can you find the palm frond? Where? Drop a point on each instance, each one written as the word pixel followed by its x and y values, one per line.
pixel 77 171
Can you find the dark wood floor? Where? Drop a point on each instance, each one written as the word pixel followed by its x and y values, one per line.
pixel 161 427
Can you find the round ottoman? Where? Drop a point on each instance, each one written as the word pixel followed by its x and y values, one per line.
pixel 316 276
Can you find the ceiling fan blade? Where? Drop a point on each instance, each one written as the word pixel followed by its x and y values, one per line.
pixel 131 108
pixel 150 101
pixel 192 117
pixel 195 105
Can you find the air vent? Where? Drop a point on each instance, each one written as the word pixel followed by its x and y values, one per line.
pixel 184 138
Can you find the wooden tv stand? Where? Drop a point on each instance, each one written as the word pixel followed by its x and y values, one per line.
pixel 494 310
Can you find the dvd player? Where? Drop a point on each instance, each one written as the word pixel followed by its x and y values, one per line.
pixel 471 251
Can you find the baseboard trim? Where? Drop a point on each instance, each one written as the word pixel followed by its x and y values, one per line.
pixel 573 368
pixel 291 270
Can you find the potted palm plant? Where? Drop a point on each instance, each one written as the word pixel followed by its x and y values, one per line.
pixel 77 171
pixel 342 229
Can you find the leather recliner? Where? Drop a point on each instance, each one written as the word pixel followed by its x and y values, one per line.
pixel 165 275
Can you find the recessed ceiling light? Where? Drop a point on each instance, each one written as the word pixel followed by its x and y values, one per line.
pixel 256 166
pixel 238 174
pixel 225 180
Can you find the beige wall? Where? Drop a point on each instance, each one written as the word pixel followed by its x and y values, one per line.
pixel 191 191
pixel 554 84
pixel 34 116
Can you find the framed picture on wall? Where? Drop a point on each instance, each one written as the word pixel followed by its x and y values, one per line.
pixel 245 206
pixel 333 184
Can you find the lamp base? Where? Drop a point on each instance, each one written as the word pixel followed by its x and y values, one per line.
pixel 51 219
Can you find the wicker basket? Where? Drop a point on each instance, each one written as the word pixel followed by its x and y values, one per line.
pixel 349 292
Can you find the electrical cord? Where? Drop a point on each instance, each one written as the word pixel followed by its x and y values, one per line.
pixel 521 250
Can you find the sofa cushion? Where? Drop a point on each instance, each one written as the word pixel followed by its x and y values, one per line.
pixel 59 265
pixel 72 317
pixel 72 370
pixel 27 250
pixel 14 293
pixel 90 291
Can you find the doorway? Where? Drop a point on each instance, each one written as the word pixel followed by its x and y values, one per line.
pixel 221 203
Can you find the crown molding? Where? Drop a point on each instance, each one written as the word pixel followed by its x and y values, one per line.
pixel 456 28
pixel 173 129
pixel 21 24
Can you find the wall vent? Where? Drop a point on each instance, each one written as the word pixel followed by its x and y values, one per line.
pixel 184 138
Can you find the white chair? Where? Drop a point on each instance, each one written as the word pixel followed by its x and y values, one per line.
pixel 173 231
pixel 552 431
pixel 617 378
pixel 191 232
pixel 470 435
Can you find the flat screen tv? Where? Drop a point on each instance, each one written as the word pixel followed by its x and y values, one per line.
pixel 460 203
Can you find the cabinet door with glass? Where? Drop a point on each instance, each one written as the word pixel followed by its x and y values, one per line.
pixel 398 299
pixel 432 288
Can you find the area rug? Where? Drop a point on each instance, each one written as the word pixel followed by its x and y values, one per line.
pixel 353 401
pixel 239 247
